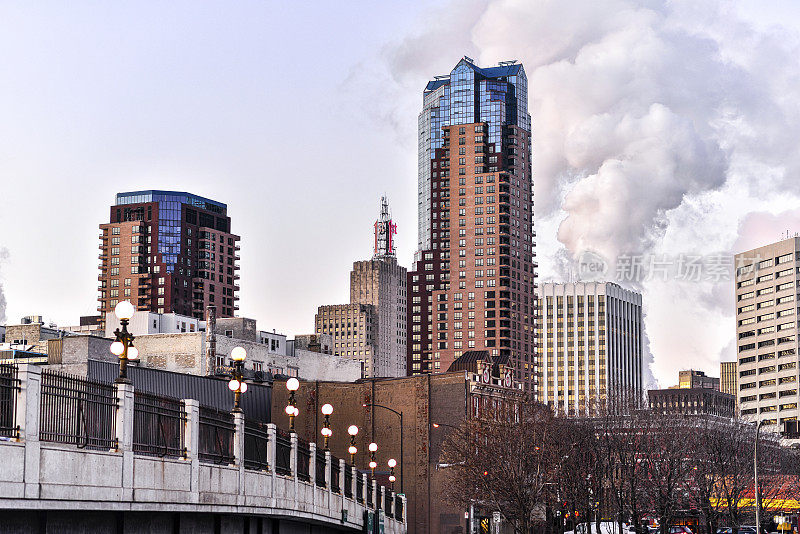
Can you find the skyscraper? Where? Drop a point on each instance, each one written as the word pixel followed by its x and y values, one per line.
pixel 727 378
pixel 372 328
pixel 590 345
pixel 472 284
pixel 168 252
pixel 767 282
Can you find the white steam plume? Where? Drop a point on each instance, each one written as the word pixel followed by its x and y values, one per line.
pixel 657 127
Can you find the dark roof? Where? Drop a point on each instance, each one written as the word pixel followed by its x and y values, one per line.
pixel 469 361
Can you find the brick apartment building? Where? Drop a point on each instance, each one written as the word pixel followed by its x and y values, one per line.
pixel 475 383
pixel 472 284
pixel 168 252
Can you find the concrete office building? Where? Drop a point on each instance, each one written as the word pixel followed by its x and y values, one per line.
pixel 728 378
pixel 472 284
pixel 168 252
pixel 589 345
pixel 696 379
pixel 766 330
pixel 372 328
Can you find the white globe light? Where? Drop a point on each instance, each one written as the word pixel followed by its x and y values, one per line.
pixel 117 348
pixel 124 310
pixel 296 411
pixel 352 449
pixel 373 447
pixel 326 432
pixel 353 430
pixel 292 384
pixel 290 410
pixel 233 385
pixel 392 462
pixel 373 465
pixel 327 409
pixel 243 387
pixel 392 478
pixel 238 354
pixel 133 353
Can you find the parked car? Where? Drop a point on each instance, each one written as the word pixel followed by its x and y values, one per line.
pixel 680 529
pixel 724 530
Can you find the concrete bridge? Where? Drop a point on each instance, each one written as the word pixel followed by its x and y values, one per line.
pixel 78 456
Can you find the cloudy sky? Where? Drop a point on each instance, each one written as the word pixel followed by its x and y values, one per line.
pixel 665 138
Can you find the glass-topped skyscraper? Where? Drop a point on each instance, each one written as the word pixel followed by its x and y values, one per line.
pixel 169 252
pixel 472 285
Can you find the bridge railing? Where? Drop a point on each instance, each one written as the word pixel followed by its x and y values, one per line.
pixel 9 386
pixel 41 405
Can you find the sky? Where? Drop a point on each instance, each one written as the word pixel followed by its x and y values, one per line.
pixel 664 140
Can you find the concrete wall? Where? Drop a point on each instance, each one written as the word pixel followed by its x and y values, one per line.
pixel 318 366
pixel 182 353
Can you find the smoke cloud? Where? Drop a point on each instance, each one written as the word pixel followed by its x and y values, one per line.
pixel 658 127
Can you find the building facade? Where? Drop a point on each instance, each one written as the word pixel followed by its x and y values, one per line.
pixel 766 329
pixel 372 328
pixel 728 378
pixel 589 347
pixel 353 328
pixel 692 401
pixel 472 284
pixel 168 252
pixel 696 379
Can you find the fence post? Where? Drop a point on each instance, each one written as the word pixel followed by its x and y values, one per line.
pixel 28 406
pixel 375 494
pixel 191 437
pixel 124 430
pixel 312 471
pixel 354 482
pixel 328 477
pixel 342 468
pixel 381 504
pixel 238 447
pixel 364 490
pixel 294 463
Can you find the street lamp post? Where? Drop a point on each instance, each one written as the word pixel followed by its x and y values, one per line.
pixel 292 385
pixel 373 447
pixel 326 432
pixel 400 415
pixel 237 383
pixel 755 479
pixel 353 431
pixel 123 347
pixel 391 463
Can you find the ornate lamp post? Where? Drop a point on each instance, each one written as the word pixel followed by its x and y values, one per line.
pixel 392 462
pixel 237 383
pixel 373 448
pixel 400 415
pixel 353 431
pixel 123 347
pixel 327 410
pixel 292 385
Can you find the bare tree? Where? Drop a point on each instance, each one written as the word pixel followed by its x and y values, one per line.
pixel 504 464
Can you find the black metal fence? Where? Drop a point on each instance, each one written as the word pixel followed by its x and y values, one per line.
pixel 158 425
pixel 319 469
pixel 77 411
pixel 360 488
pixel 283 453
pixel 387 502
pixel 336 469
pixel 256 440
pixel 348 480
pixel 215 438
pixel 9 385
pixel 303 460
pixel 398 507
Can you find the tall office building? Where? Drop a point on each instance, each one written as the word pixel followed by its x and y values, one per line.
pixel 766 330
pixel 691 379
pixel 472 284
pixel 589 346
pixel 372 328
pixel 168 252
pixel 727 378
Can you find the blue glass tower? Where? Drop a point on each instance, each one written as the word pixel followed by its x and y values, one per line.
pixel 472 285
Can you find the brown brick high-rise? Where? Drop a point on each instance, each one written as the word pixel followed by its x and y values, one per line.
pixel 168 252
pixel 472 285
